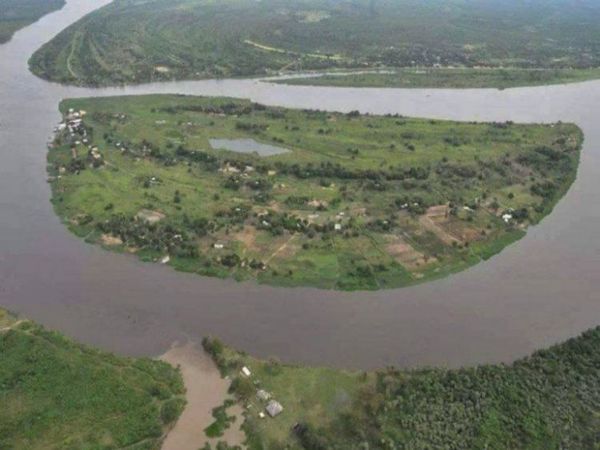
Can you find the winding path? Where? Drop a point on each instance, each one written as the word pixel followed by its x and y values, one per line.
pixel 537 292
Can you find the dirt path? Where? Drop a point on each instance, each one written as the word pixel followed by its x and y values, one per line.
pixel 12 325
pixel 205 390
pixel 280 249
pixel 444 236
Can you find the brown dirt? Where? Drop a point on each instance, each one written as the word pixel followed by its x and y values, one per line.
pixel 150 216
pixel 247 237
pixel 405 254
pixel 205 391
pixel 434 219
pixel 110 240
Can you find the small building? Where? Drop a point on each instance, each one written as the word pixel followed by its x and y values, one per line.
pixel 246 372
pixel 263 395
pixel 274 408
pixel 507 217
pixel 338 226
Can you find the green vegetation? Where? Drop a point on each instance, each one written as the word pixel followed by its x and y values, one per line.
pixel 132 41
pixel 459 78
pixel 549 400
pixel 58 394
pixel 222 420
pixel 16 14
pixel 355 202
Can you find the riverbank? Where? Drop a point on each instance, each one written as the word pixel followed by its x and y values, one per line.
pixel 266 38
pixel 15 14
pixel 547 400
pixel 56 393
pixel 444 78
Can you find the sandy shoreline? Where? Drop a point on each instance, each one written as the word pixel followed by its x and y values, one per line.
pixel 205 391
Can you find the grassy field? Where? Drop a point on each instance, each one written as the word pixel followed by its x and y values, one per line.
pixel 58 394
pixel 134 41
pixel 549 400
pixel 16 14
pixel 355 202
pixel 458 78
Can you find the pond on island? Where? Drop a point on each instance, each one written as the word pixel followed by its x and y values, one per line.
pixel 246 146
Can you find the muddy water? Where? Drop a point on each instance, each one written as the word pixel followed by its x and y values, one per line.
pixel 205 390
pixel 537 292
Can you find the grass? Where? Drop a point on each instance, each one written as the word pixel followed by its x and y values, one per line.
pixel 458 78
pixel 547 400
pixel 131 41
pixel 16 14
pixel 357 202
pixel 56 393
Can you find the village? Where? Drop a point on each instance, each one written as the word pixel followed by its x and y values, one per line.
pixel 340 217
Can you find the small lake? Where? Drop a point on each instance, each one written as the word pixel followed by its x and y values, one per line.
pixel 246 146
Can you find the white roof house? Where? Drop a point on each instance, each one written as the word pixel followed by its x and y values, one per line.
pixel 246 371
pixel 274 408
pixel 263 395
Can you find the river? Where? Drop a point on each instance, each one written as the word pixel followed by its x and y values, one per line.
pixel 539 291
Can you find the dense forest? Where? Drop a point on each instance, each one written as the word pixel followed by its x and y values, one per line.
pixel 56 393
pixel 549 400
pixel 133 41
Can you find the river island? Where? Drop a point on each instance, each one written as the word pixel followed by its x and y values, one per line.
pixel 350 201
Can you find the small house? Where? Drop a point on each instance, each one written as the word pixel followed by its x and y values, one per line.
pixel 246 372
pixel 274 408
pixel 263 395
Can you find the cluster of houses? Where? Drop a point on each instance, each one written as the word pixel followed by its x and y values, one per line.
pixel 73 123
pixel 77 135
pixel 272 406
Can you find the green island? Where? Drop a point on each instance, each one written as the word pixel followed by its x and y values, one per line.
pixel 230 188
pixel 445 77
pixel 16 14
pixel 133 41
pixel 549 400
pixel 56 393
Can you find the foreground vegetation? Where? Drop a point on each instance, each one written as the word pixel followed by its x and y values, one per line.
pixel 549 400
pixel 134 41
pixel 16 14
pixel 58 394
pixel 459 78
pixel 353 202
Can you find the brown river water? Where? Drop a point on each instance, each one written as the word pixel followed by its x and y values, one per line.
pixel 537 292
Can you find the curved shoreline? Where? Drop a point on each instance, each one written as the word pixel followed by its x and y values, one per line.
pixel 538 292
